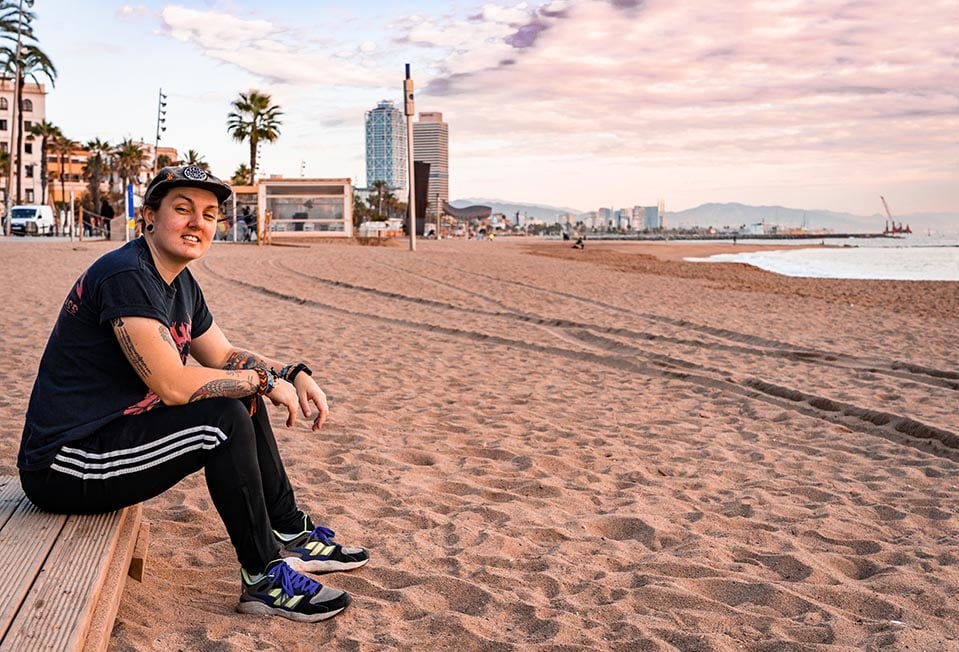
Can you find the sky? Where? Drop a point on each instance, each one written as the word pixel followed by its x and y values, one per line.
pixel 812 104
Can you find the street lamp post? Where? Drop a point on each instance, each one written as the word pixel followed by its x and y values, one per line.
pixel 13 113
pixel 161 127
pixel 409 111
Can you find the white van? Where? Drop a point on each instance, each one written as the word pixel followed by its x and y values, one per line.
pixel 31 220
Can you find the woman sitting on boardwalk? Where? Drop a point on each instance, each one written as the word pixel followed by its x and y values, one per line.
pixel 116 415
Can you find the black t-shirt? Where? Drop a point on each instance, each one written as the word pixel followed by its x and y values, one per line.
pixel 84 380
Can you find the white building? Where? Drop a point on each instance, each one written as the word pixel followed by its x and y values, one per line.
pixel 431 145
pixel 34 112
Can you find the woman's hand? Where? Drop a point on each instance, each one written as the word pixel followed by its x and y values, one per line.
pixel 285 394
pixel 307 392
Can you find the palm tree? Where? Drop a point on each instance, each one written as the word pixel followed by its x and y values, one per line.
pixel 97 167
pixel 33 62
pixel 15 29
pixel 63 147
pixel 254 119
pixel 5 167
pixel 194 157
pixel 241 177
pixel 361 212
pixel 382 192
pixel 129 158
pixel 48 132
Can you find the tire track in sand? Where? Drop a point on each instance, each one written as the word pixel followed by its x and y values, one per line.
pixel 744 344
pixel 894 427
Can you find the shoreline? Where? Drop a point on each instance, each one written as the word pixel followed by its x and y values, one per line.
pixel 919 298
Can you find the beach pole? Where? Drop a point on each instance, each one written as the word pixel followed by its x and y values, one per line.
pixel 235 220
pixel 408 110
pixel 73 222
pixel 130 213
pixel 80 234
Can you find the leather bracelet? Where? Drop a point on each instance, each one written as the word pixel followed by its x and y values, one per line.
pixel 300 366
pixel 266 383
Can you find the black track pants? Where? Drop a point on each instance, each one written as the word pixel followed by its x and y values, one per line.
pixel 140 456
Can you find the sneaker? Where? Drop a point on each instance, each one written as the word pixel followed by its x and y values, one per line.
pixel 314 551
pixel 281 591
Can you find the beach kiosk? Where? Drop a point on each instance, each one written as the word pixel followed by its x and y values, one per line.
pixel 306 208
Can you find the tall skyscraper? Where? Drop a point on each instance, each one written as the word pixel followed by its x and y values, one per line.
pixel 652 222
pixel 431 145
pixel 386 149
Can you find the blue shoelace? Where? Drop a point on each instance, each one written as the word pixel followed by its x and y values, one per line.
pixel 324 534
pixel 292 582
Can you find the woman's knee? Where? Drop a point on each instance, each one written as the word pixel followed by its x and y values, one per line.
pixel 230 413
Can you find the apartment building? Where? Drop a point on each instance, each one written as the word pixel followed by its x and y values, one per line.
pixel 34 112
pixel 431 145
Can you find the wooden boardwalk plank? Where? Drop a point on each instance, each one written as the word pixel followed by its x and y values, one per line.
pixel 64 574
pixel 57 613
pixel 26 538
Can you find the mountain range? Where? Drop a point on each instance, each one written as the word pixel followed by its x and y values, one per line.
pixel 735 214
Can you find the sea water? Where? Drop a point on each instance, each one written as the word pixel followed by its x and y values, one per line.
pixel 911 258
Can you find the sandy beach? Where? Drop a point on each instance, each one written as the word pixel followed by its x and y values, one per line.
pixel 549 449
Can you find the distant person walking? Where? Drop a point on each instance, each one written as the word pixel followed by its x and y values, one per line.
pixel 117 416
pixel 106 213
pixel 249 219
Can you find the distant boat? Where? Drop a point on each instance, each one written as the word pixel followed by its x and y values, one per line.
pixel 896 229
pixel 891 227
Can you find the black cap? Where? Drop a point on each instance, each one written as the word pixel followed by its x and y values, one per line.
pixel 191 176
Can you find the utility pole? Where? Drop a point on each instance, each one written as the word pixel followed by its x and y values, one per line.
pixel 161 127
pixel 14 116
pixel 409 111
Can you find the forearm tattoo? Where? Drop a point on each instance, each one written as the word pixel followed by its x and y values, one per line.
pixel 230 388
pixel 136 360
pixel 245 360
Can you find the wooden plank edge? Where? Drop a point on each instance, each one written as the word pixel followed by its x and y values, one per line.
pixel 100 625
pixel 140 550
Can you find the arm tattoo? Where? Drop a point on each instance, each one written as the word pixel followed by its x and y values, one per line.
pixel 227 387
pixel 245 360
pixel 165 334
pixel 133 356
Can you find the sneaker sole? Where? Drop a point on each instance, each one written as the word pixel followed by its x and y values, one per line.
pixel 262 609
pixel 322 565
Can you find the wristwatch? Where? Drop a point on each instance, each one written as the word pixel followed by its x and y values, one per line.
pixel 300 366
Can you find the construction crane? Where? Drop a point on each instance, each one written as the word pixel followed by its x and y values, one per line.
pixel 891 226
